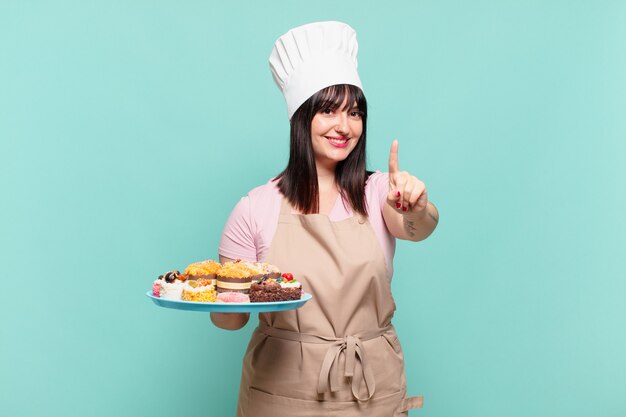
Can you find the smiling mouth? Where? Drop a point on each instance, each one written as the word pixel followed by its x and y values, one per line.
pixel 341 141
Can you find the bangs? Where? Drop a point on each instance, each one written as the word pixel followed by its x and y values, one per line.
pixel 334 96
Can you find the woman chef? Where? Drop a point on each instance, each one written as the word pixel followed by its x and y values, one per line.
pixel 333 225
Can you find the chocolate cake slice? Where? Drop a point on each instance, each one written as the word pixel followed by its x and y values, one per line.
pixel 270 290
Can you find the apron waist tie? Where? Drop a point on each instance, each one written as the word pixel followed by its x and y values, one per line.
pixel 329 379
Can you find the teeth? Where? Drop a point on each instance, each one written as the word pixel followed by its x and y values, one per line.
pixel 337 141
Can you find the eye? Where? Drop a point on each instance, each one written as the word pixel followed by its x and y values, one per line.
pixel 356 114
pixel 327 110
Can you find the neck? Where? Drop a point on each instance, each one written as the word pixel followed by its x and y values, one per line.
pixel 325 176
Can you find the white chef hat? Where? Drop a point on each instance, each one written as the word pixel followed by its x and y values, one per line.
pixel 311 57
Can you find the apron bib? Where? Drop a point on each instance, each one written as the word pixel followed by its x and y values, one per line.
pixel 338 355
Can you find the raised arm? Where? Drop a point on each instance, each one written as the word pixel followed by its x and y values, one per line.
pixel 229 321
pixel 408 213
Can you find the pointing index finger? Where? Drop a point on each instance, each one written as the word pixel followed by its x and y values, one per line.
pixel 393 157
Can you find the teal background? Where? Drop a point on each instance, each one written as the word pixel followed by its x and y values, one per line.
pixel 130 129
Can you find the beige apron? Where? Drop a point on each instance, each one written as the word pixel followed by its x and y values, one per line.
pixel 338 355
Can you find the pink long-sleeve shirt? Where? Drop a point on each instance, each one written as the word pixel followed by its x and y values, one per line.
pixel 249 231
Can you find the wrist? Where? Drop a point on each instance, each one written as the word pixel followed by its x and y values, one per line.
pixel 417 215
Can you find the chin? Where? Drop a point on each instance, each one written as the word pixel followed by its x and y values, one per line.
pixel 338 158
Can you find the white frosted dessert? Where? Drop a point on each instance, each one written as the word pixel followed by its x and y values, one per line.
pixel 171 291
pixel 290 284
pixel 168 286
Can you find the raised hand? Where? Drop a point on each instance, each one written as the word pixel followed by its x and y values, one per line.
pixel 407 194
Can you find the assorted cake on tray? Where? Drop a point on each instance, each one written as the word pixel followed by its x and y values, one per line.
pixel 232 282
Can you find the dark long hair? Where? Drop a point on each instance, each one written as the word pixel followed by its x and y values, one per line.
pixel 298 182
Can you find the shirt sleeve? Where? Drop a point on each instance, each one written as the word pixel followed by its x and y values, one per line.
pixel 379 181
pixel 376 190
pixel 238 240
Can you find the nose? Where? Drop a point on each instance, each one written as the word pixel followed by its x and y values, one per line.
pixel 342 126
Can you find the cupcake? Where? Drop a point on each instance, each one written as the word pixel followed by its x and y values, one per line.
pixel 235 277
pixel 260 270
pixel 205 269
pixel 256 272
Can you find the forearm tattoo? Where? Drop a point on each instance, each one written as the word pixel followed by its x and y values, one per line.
pixel 409 227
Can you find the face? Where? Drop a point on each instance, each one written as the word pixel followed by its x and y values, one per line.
pixel 335 133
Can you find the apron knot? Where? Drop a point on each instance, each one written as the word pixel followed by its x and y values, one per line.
pixel 356 366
